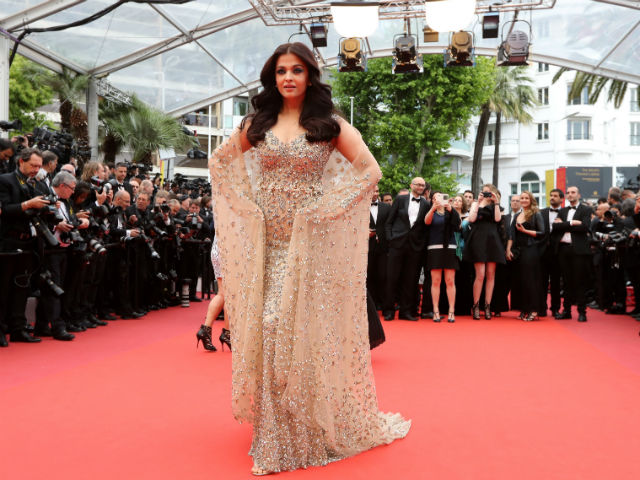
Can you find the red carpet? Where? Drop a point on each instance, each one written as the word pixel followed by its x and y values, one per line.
pixel 499 399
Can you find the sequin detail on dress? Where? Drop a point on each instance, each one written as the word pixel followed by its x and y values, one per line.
pixel 302 374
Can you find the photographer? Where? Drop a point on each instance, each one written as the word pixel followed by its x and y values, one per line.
pixel 6 154
pixel 196 242
pixel 632 255
pixel 54 266
pixel 609 258
pixel 21 201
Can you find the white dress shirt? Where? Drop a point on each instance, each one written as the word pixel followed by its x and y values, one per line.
pixel 414 208
pixel 566 238
pixel 374 212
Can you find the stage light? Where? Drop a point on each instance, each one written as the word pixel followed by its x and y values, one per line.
pixel 405 57
pixel 318 32
pixel 355 18
pixel 514 50
pixel 430 36
pixel 449 15
pixel 460 51
pixel 351 58
pixel 490 25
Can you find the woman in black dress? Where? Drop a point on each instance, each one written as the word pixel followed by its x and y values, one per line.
pixel 443 222
pixel 483 247
pixel 525 236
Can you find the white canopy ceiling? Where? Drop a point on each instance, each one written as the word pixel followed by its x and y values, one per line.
pixel 184 56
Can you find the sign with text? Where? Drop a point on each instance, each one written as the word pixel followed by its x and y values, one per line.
pixel 593 182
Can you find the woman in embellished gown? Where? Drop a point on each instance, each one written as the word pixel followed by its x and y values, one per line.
pixel 293 187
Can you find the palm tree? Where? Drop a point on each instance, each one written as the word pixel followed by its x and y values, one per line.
pixel 594 84
pixel 512 98
pixel 145 130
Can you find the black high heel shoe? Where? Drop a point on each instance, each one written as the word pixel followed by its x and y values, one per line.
pixel 475 311
pixel 487 311
pixel 225 337
pixel 204 335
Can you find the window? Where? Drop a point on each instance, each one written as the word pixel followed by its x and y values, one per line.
pixel 514 188
pixel 578 129
pixel 531 182
pixel 490 134
pixel 543 96
pixel 543 131
pixel 635 106
pixel 635 133
pixel 228 121
pixel 582 99
pixel 543 67
pixel 240 106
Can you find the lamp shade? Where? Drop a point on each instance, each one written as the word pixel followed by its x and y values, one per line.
pixel 449 15
pixel 355 18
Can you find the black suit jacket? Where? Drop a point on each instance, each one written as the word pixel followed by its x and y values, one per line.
pixel 552 238
pixel 379 243
pixel 15 222
pixel 580 234
pixel 399 231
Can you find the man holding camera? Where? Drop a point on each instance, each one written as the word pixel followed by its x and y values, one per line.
pixel 19 199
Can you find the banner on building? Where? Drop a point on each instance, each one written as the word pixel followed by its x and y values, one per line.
pixel 593 182
pixel 628 178
pixel 549 182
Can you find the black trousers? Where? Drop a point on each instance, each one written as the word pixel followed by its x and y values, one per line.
pixel 403 269
pixel 15 276
pixel 377 275
pixel 550 274
pixel 49 308
pixel 576 274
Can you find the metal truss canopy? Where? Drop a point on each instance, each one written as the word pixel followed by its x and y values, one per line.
pixel 183 57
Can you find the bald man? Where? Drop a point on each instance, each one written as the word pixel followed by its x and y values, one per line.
pixel 406 233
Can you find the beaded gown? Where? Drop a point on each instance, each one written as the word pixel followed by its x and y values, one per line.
pixel 293 238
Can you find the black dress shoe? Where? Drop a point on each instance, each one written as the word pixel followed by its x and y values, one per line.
pixel 582 317
pixel 195 299
pixel 554 313
pixel 3 340
pixel 42 332
pixel 128 315
pixel 426 315
pixel 62 334
pixel 153 307
pixel 407 316
pixel 24 337
pixel 563 316
pixel 107 316
pixel 100 323
pixel 388 316
pixel 87 324
pixel 75 328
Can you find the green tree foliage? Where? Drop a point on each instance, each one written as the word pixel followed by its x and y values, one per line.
pixel 409 120
pixel 595 85
pixel 143 129
pixel 26 94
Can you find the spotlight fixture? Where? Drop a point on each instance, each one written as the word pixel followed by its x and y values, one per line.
pixel 350 57
pixel 490 25
pixel 430 36
pixel 355 18
pixel 318 32
pixel 405 56
pixel 514 50
pixel 460 51
pixel 449 15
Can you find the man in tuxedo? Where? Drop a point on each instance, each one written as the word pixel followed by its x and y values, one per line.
pixel 18 194
pixel 515 211
pixel 406 234
pixel 549 262
pixel 574 253
pixel 49 165
pixel 378 249
pixel 119 181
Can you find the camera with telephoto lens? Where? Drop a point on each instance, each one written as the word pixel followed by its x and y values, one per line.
pixel 46 279
pixel 98 185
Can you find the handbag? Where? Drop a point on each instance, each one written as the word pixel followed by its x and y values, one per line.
pixel 515 253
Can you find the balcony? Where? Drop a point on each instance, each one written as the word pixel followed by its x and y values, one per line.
pixel 461 148
pixel 509 149
pixel 579 144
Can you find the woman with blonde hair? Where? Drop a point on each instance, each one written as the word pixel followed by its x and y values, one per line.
pixel 525 235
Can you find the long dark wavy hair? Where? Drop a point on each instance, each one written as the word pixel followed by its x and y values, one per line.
pixel 317 107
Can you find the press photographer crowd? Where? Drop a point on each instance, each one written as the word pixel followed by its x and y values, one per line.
pixel 99 244
pixel 109 242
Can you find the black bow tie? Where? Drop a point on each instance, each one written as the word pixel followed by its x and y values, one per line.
pixel 374 204
pixel 554 210
pixel 572 208
pixel 415 199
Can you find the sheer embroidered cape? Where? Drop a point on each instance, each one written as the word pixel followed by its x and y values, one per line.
pixel 322 353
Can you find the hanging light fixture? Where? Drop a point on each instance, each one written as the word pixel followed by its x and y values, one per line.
pixel 449 15
pixel 355 18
